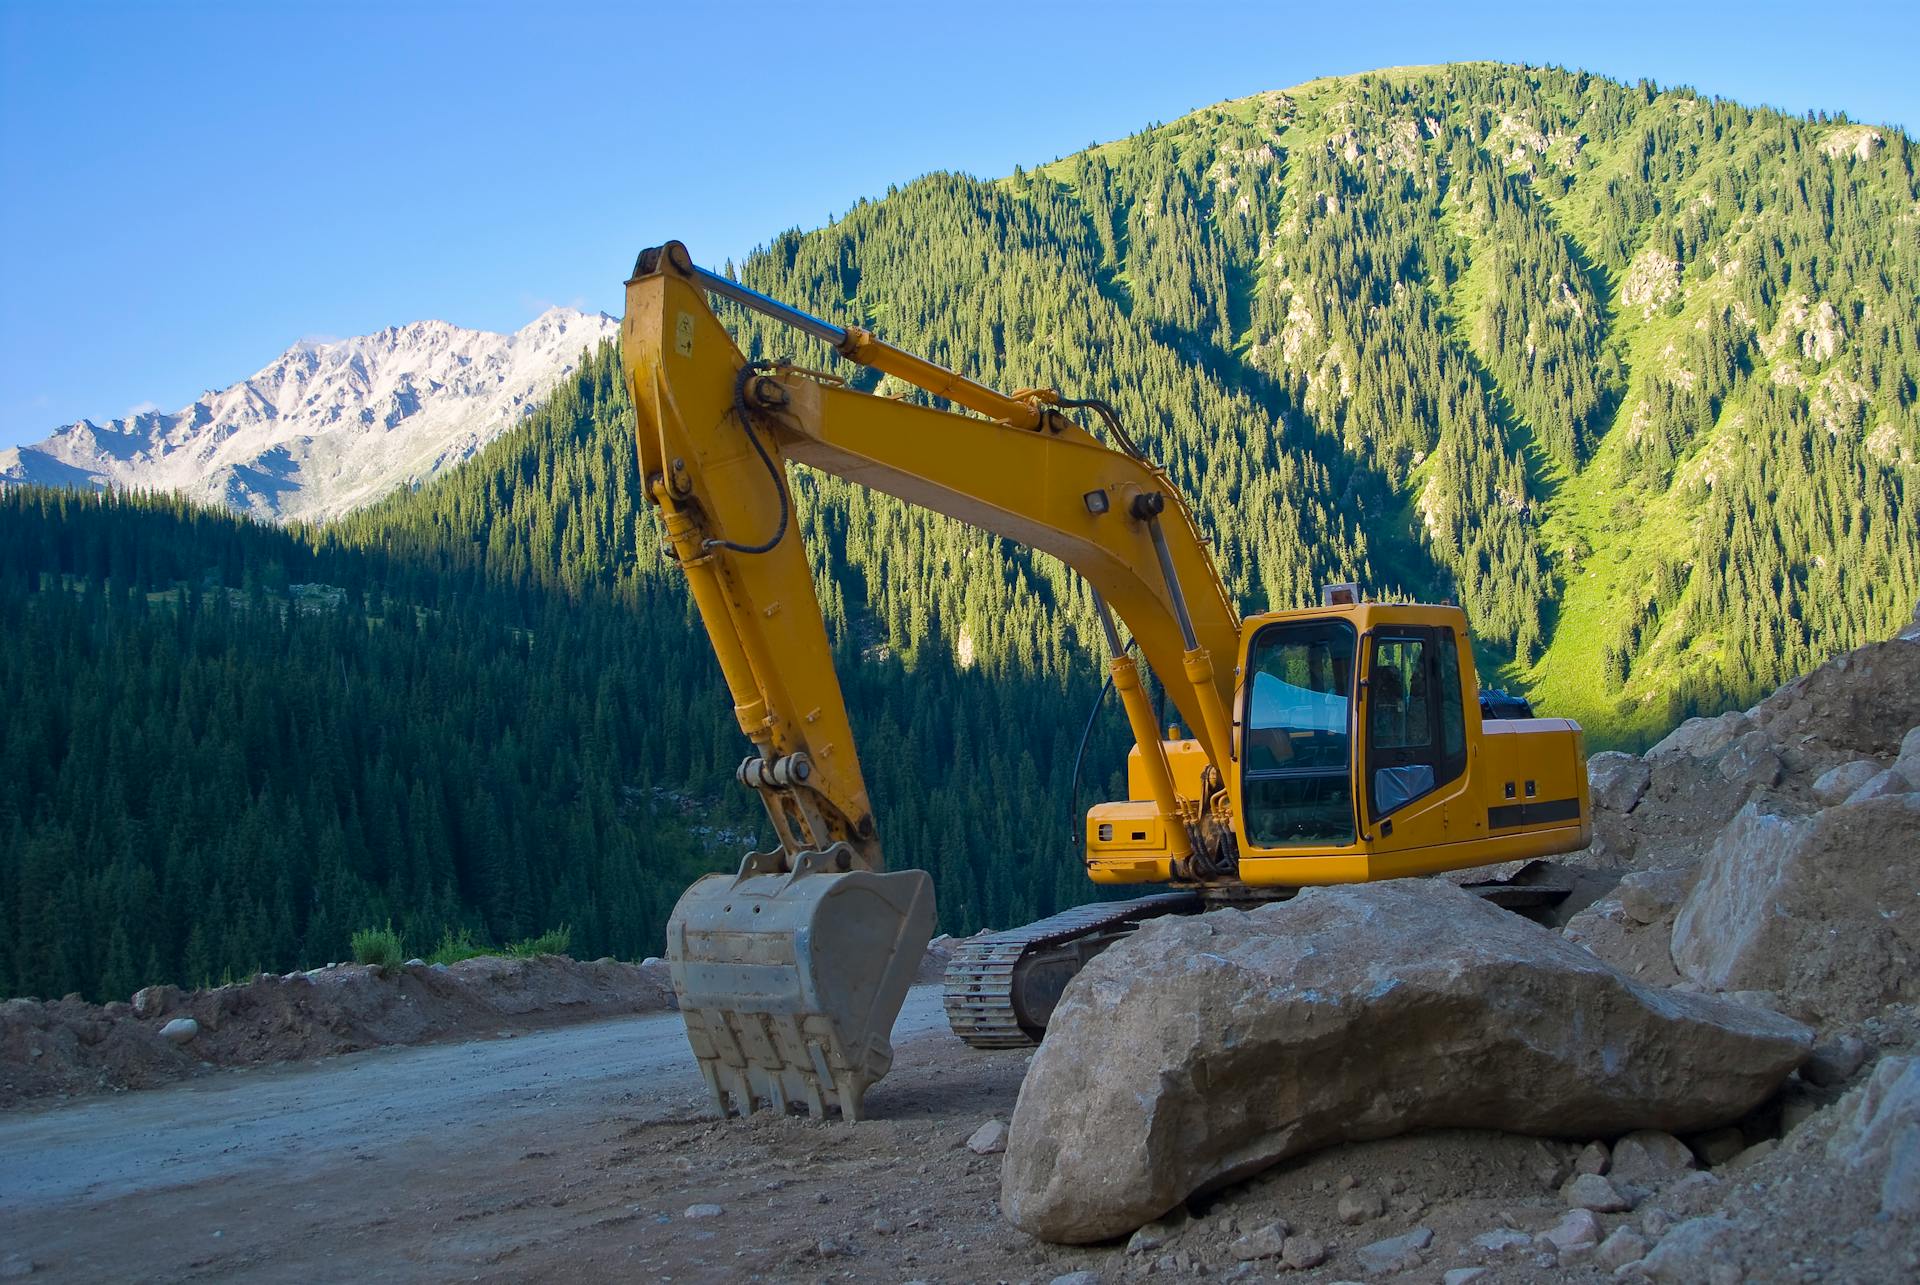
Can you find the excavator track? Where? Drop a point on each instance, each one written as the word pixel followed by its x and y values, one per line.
pixel 992 993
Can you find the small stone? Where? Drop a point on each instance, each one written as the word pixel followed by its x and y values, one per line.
pixel 1348 1182
pixel 1593 1158
pixel 1147 1239
pixel 1462 1275
pixel 989 1139
pixel 1577 1231
pixel 1079 1278
pixel 1719 1146
pixel 1834 1061
pixel 881 1227
pixel 1694 1194
pixel 1302 1252
pixel 1591 1191
pixel 1261 1242
pixel 1757 1152
pixel 1692 1252
pixel 1625 1246
pixel 1501 1240
pixel 1396 1253
pixel 1158 1232
pixel 1835 785
pixel 1892 781
pixel 1654 1223
pixel 703 1211
pixel 416 963
pixel 1648 1155
pixel 180 1030
pixel 1360 1205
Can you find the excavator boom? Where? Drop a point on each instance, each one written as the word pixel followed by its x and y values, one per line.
pixel 1332 744
pixel 762 958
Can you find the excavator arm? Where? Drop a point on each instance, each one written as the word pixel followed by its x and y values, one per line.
pixel 762 991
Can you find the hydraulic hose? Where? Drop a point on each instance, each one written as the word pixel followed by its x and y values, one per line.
pixel 741 409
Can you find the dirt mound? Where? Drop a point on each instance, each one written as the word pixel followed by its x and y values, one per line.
pixel 67 1047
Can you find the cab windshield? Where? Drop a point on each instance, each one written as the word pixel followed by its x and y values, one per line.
pixel 1297 782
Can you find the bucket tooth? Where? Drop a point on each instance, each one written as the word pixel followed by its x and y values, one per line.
pixel 789 984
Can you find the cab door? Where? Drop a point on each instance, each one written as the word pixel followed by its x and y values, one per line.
pixel 1415 754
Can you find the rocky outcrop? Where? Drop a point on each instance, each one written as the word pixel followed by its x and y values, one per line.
pixel 1202 1050
pixel 1817 909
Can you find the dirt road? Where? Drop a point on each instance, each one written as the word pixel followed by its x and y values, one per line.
pixel 576 1154
pixel 364 1103
pixel 569 1152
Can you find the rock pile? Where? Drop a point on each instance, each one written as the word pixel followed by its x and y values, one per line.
pixel 1771 853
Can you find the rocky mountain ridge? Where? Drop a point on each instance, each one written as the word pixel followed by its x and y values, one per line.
pixel 327 426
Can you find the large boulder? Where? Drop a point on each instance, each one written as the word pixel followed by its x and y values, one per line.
pixel 1202 1050
pixel 1819 909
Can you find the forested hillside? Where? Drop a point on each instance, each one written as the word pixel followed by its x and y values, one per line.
pixel 1631 374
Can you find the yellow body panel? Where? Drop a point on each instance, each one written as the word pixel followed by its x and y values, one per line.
pixel 1522 792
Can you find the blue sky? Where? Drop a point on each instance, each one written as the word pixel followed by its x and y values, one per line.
pixel 187 189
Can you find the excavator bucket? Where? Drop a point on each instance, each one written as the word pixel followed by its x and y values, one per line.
pixel 790 983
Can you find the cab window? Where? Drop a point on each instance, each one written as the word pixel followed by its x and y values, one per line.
pixel 1297 735
pixel 1416 721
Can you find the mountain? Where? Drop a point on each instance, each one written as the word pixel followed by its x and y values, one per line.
pixel 327 426
pixel 1629 372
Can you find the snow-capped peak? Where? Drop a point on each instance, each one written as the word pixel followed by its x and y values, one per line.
pixel 330 424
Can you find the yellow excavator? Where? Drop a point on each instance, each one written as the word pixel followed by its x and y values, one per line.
pixel 1340 743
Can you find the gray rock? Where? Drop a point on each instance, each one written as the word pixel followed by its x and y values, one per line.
pixel 1261 1242
pixel 1302 1252
pixel 1591 1191
pixel 1396 1253
pixel 1148 1238
pixel 1750 1155
pixel 1654 1223
pixel 1462 1275
pixel 1502 1239
pixel 1204 1049
pixel 1649 1156
pixel 1690 1253
pixel 1360 1205
pixel 1718 1146
pixel 1796 905
pixel 180 1030
pixel 416 963
pixel 1892 782
pixel 1834 1061
pixel 1624 1246
pixel 1079 1278
pixel 989 1139
pixel 1593 1158
pixel 1879 1134
pixel 1697 1193
pixel 1616 781
pixel 1701 737
pixel 703 1211
pixel 1577 1230
pixel 1751 761
pixel 1910 743
pixel 1651 896
pixel 1835 784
